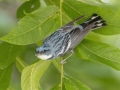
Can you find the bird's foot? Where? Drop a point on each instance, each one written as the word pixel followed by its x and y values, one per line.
pixel 63 61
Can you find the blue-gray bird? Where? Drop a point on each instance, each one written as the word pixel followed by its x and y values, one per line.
pixel 66 38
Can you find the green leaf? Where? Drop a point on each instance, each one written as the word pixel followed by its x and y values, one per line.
pixel 5 76
pixel 53 2
pixel 99 52
pixel 24 0
pixel 110 4
pixel 32 74
pixel 73 84
pixel 57 87
pixel 8 53
pixel 27 7
pixel 75 9
pixel 34 26
pixel 93 2
pixel 57 64
pixel 10 88
pixel 20 64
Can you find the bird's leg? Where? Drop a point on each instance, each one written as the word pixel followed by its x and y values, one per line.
pixel 64 60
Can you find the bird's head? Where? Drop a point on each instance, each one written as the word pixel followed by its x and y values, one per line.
pixel 44 52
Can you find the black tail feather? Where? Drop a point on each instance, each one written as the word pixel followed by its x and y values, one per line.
pixel 97 20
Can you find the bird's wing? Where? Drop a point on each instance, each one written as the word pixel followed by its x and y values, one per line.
pixel 70 25
pixel 78 35
pixel 65 28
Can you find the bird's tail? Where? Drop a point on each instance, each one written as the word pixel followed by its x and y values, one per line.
pixel 97 20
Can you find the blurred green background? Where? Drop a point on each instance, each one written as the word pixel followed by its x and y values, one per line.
pixel 95 75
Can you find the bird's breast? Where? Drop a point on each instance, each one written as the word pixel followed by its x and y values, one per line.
pixel 44 57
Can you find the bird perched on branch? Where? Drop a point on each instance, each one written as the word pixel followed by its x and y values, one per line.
pixel 66 38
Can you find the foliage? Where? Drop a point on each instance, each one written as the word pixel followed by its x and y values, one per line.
pixel 32 74
pixel 27 7
pixel 5 75
pixel 36 23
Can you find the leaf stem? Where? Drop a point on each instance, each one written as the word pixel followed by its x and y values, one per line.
pixel 62 71
pixel 62 75
pixel 20 64
pixel 61 12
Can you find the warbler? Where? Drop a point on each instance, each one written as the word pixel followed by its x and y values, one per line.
pixel 66 38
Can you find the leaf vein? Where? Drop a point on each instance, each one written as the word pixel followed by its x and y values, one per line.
pixel 99 55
